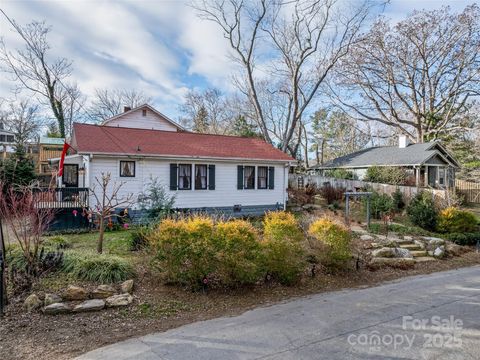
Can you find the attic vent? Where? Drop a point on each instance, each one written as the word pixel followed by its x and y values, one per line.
pixel 126 108
pixel 144 112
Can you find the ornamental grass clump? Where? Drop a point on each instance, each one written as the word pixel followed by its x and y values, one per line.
pixel 454 220
pixel 336 237
pixel 238 253
pixel 282 247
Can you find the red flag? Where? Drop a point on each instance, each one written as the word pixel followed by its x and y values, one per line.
pixel 62 159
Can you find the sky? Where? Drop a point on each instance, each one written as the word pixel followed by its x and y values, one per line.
pixel 159 47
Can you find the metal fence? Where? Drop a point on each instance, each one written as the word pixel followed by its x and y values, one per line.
pixel 298 181
pixel 62 198
pixel 470 190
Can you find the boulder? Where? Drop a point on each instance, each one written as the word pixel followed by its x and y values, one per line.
pixel 32 302
pixel 420 244
pixel 455 250
pixel 366 237
pixel 434 241
pixel 75 293
pixel 57 308
pixel 403 253
pixel 119 300
pixel 90 305
pixel 103 292
pixel 52 299
pixel 384 252
pixel 127 286
pixel 401 263
pixel 439 252
pixel 408 238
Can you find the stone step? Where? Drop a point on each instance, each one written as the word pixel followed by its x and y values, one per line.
pixel 411 247
pixel 418 253
pixel 424 259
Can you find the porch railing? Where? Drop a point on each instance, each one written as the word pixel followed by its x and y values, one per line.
pixel 61 198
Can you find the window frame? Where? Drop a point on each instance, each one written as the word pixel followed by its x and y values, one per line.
pixel 266 177
pixel 206 177
pixel 134 168
pixel 245 179
pixel 178 177
pixel 144 112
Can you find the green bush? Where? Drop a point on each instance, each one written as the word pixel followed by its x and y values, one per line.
pixel 102 268
pixel 341 174
pixel 398 201
pixel 386 175
pixel 282 248
pixel 138 238
pixel 380 204
pixel 469 239
pixel 58 242
pixel 453 220
pixel 238 253
pixel 336 237
pixel 422 212
pixel 185 250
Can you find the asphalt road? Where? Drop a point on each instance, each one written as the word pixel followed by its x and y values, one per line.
pixel 423 317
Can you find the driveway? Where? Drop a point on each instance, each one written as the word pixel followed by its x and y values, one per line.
pixel 423 317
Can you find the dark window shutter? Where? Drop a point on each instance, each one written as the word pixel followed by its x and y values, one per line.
pixel 271 177
pixel 211 177
pixel 240 177
pixel 173 177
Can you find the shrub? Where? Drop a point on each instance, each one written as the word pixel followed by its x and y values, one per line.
pixel 283 253
pixel 454 220
pixel 58 242
pixel 422 212
pixel 386 175
pixel 138 239
pixel 380 204
pixel 336 237
pixel 331 194
pixel 398 201
pixel 341 174
pixel 155 201
pixel 303 196
pixel 465 239
pixel 238 253
pixel 102 268
pixel 185 250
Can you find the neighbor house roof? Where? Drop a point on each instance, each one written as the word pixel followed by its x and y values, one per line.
pixel 412 155
pixel 95 139
pixel 44 140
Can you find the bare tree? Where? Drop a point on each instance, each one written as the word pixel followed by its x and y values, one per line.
pixel 305 40
pixel 208 111
pixel 31 69
pixel 23 119
pixel 108 103
pixel 418 76
pixel 107 199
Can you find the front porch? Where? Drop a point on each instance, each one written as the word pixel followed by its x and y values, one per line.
pixel 434 176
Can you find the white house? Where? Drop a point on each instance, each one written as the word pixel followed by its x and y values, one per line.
pixel 213 173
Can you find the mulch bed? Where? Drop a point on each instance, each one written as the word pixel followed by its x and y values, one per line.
pixel 159 308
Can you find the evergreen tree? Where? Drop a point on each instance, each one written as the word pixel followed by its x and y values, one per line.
pixel 200 122
pixel 242 128
pixel 17 169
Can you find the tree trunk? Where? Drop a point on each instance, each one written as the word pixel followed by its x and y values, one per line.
pixel 100 236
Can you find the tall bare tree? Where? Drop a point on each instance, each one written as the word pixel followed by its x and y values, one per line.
pixel 23 119
pixel 419 76
pixel 32 68
pixel 108 103
pixel 286 50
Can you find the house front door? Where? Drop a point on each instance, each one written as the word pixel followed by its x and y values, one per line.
pixel 432 176
pixel 70 175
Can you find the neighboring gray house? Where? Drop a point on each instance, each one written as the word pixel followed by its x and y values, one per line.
pixel 429 164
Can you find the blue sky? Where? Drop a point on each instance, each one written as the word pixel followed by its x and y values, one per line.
pixel 160 47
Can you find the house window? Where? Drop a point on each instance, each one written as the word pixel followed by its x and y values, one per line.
pixel 45 168
pixel 200 177
pixel 262 181
pixel 3 138
pixel 441 176
pixel 144 112
pixel 249 177
pixel 127 168
pixel 10 138
pixel 184 176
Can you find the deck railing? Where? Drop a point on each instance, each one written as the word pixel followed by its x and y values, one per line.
pixel 61 198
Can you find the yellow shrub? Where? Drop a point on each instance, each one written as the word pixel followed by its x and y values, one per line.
pixel 238 253
pixel 282 247
pixel 336 236
pixel 454 220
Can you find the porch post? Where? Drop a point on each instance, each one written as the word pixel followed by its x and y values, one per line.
pixel 86 176
pixel 417 176
pixel 426 176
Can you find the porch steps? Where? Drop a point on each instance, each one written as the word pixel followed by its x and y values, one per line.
pixel 411 247
pixel 418 253
pixel 424 259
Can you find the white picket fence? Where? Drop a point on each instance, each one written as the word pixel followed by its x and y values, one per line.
pixel 297 180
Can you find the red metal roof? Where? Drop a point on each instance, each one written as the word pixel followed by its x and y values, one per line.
pixel 129 141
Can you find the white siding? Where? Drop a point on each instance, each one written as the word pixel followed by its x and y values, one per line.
pixel 135 119
pixel 225 193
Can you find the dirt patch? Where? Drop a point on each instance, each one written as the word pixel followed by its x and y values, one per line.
pixel 159 308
